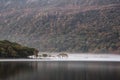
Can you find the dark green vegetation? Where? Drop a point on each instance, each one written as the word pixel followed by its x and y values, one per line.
pixel 44 55
pixel 14 50
pixel 63 25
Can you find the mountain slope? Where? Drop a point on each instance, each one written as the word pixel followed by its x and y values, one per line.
pixel 64 25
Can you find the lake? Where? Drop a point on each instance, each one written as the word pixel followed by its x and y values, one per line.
pixel 54 70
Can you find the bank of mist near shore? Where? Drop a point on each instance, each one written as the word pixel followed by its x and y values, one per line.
pixel 62 25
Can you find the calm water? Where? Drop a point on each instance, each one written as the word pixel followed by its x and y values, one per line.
pixel 59 71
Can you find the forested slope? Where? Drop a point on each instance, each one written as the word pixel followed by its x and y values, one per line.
pixel 72 26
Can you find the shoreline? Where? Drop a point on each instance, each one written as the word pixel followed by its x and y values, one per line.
pixel 59 60
pixel 70 57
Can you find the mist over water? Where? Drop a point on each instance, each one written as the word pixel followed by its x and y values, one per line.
pixel 59 71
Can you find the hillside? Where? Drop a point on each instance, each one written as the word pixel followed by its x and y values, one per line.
pixel 14 50
pixel 64 25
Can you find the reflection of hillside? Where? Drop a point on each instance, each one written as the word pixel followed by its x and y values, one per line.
pixel 76 71
pixel 59 71
pixel 9 69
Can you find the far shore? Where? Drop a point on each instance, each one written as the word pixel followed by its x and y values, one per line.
pixel 71 57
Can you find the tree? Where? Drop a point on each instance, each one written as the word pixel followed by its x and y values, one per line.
pixel 62 55
pixel 44 55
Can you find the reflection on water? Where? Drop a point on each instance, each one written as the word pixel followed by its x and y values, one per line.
pixel 8 69
pixel 59 71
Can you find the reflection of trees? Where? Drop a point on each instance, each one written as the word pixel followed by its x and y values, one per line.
pixel 8 69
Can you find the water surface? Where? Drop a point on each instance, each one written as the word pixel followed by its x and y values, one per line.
pixel 60 70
